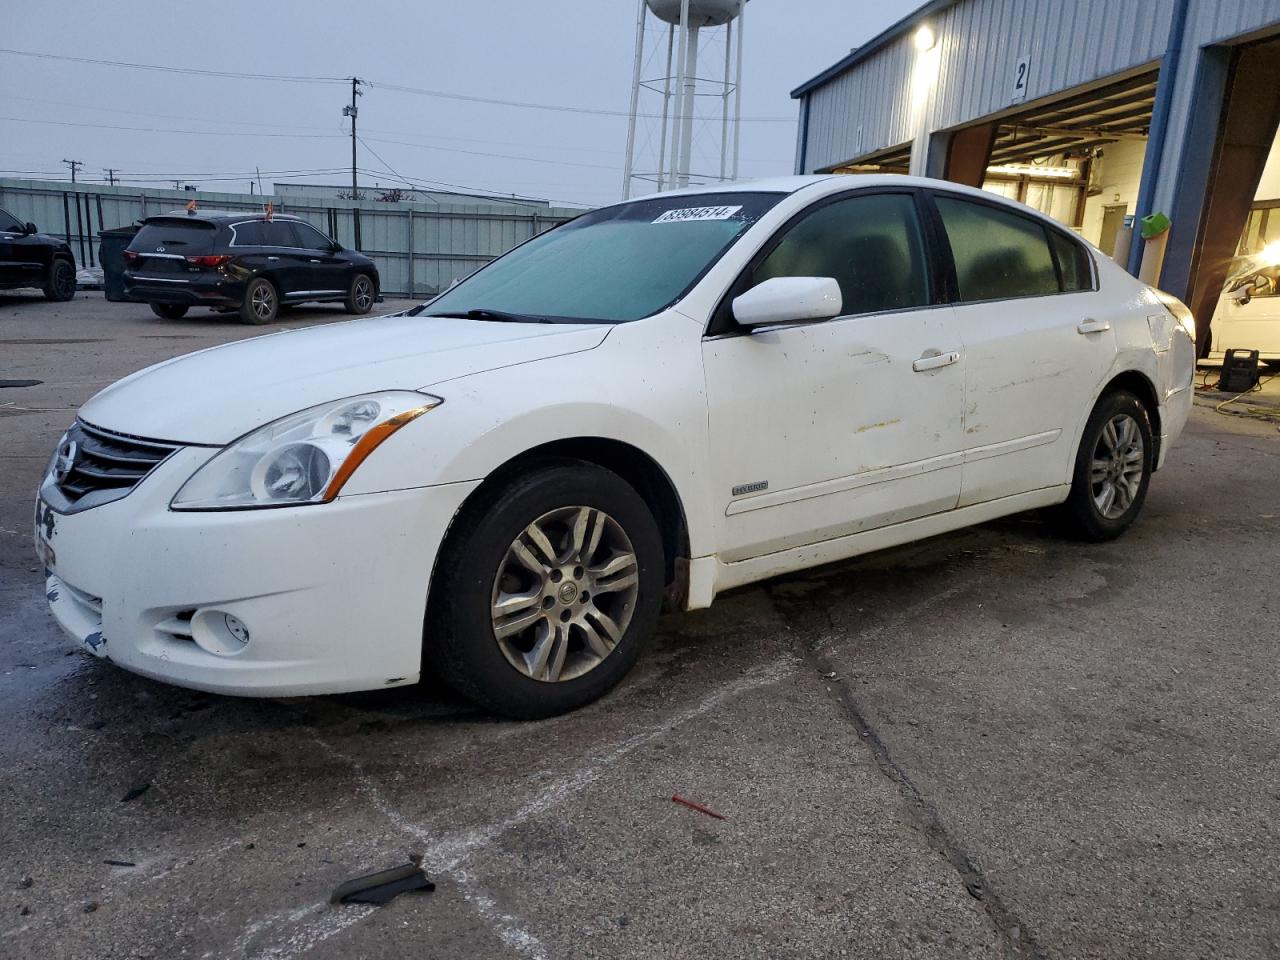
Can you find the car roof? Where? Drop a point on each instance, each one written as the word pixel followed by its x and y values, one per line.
pixel 219 216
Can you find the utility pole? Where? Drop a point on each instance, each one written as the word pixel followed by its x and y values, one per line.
pixel 75 165
pixel 111 175
pixel 351 111
pixel 251 188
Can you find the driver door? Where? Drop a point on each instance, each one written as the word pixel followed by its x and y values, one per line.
pixel 822 430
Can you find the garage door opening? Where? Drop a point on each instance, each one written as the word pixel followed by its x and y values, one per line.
pixel 1232 255
pixel 1077 159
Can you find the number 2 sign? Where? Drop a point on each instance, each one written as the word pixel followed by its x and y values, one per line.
pixel 1020 80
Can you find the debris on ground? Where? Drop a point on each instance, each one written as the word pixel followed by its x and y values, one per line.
pixel 379 888
pixel 119 863
pixel 135 792
pixel 697 806
pixel 25 882
pixel 90 907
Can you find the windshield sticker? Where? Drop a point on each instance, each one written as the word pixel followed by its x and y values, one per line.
pixel 687 214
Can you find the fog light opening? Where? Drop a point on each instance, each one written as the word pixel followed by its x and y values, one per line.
pixel 220 633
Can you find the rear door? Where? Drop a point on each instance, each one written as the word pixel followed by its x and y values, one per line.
pixel 1038 341
pixel 268 247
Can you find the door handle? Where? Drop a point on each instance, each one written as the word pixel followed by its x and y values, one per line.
pixel 315 261
pixel 1093 326
pixel 933 360
pixel 273 258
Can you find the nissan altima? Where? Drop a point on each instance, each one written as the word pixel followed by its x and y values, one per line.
pixel 655 402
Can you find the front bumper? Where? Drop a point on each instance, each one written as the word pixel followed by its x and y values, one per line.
pixel 330 597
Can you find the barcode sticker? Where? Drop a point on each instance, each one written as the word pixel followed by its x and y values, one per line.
pixel 687 214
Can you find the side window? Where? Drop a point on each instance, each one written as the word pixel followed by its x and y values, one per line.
pixel 9 224
pixel 1073 262
pixel 871 246
pixel 309 238
pixel 277 233
pixel 998 254
pixel 249 234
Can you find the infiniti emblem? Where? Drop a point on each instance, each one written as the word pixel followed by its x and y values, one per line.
pixel 65 460
pixel 160 249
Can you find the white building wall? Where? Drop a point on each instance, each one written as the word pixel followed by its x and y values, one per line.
pixel 1120 177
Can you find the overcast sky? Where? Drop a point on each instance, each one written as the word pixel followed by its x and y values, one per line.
pixel 575 53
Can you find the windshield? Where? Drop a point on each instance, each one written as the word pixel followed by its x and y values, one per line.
pixel 613 265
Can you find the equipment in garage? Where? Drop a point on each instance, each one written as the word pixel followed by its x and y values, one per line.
pixel 1239 371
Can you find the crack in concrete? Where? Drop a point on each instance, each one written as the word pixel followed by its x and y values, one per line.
pixel 1018 943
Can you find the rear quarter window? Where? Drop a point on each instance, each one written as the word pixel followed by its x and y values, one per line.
pixel 1073 262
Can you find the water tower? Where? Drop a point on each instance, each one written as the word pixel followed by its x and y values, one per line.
pixel 691 29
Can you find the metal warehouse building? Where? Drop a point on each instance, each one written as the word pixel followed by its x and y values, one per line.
pixel 1093 111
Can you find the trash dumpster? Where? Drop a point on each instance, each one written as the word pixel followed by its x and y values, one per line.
pixel 111 255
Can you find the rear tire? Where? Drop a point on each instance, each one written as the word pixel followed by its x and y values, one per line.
pixel 360 296
pixel 261 302
pixel 1112 471
pixel 558 615
pixel 61 284
pixel 169 311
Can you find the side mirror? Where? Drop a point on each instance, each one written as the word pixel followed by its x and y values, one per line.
pixel 30 228
pixel 1241 294
pixel 335 247
pixel 788 300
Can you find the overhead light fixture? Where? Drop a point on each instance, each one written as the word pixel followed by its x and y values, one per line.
pixel 925 38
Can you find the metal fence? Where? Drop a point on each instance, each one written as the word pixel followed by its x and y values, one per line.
pixel 420 248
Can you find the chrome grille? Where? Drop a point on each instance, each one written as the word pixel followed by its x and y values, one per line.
pixel 91 459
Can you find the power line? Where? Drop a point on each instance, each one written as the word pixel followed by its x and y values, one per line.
pixel 559 108
pixel 499 156
pixel 75 165
pixel 398 88
pixel 205 133
pixel 192 71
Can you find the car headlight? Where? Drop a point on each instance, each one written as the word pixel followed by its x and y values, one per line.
pixel 305 457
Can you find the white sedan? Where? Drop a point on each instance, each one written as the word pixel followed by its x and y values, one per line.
pixel 664 398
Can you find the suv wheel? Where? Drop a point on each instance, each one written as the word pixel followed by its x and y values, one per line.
pixel 1113 468
pixel 169 311
pixel 547 591
pixel 261 303
pixel 61 285
pixel 360 296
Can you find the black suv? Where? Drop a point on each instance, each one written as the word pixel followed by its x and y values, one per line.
pixel 28 258
pixel 245 263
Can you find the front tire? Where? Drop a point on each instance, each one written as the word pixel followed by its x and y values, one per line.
pixel 261 302
pixel 360 296
pixel 61 283
pixel 169 311
pixel 1113 469
pixel 546 591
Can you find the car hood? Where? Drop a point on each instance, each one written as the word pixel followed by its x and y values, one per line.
pixel 219 394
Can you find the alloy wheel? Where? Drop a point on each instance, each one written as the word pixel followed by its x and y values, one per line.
pixel 64 282
pixel 264 300
pixel 363 294
pixel 1119 461
pixel 564 593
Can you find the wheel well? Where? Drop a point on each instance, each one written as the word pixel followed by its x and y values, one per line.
pixel 1136 383
pixel 633 465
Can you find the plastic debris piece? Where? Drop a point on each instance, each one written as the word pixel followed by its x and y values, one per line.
pixel 135 792
pixel 697 806
pixel 379 888
pixel 119 863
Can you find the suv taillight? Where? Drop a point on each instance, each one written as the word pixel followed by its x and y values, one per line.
pixel 213 260
pixel 130 256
